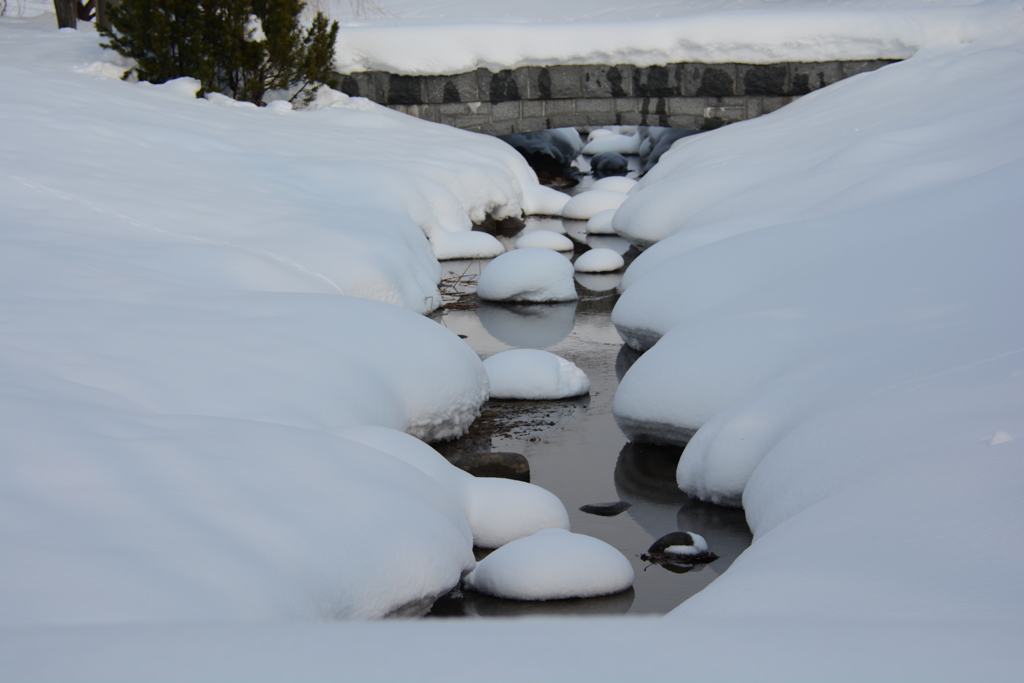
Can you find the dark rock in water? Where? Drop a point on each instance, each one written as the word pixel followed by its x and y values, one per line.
pixel 672 561
pixel 501 465
pixel 674 538
pixel 664 143
pixel 549 153
pixel 607 509
pixel 608 164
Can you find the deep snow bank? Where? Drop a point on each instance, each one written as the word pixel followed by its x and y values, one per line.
pixel 836 313
pixel 179 349
pixel 334 200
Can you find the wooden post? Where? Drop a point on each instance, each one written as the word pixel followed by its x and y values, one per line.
pixel 67 13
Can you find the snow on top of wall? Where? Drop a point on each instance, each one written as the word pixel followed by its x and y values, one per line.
pixel 455 36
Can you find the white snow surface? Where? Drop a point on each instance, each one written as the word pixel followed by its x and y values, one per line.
pixel 544 239
pixel 533 374
pixel 493 511
pixel 598 260
pixel 834 309
pixel 552 564
pixel 187 321
pixel 700 545
pixel 902 443
pixel 528 275
pixel 601 222
pixel 539 200
pixel 456 36
pixel 449 246
pixel 586 205
pixel 615 183
pixel 615 142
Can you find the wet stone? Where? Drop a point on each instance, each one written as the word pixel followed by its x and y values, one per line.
pixel 500 465
pixel 606 509
pixel 657 554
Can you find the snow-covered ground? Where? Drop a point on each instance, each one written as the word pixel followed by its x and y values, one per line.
pixel 188 487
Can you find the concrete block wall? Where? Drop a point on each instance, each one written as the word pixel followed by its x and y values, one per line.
pixel 683 95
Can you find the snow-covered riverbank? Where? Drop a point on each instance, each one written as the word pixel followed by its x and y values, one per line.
pixel 179 370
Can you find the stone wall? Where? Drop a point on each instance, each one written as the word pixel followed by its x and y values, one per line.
pixel 535 98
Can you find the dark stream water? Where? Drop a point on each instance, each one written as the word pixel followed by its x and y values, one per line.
pixel 576 450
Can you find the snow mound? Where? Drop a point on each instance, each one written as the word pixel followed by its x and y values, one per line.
pixel 544 239
pixel 532 374
pixel 809 342
pixel 601 223
pixel 504 510
pixel 552 565
pixel 599 261
pixel 616 183
pixel 539 200
pixel 588 204
pixel 491 512
pixel 615 142
pixel 449 246
pixel 528 275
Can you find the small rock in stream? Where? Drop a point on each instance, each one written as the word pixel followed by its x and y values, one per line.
pixel 679 548
pixel 501 465
pixel 607 509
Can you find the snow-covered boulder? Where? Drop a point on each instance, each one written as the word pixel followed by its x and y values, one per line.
pixel 504 510
pixel 539 200
pixel 614 184
pixel 599 261
pixel 472 244
pixel 544 239
pixel 532 374
pixel 552 565
pixel 528 275
pixel 586 205
pixel 601 223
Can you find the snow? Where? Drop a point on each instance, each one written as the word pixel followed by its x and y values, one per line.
pixel 528 275
pixel 503 510
pixel 586 205
pixel 410 37
pixel 552 565
pixel 184 345
pixel 535 375
pixel 614 184
pixel 700 545
pixel 490 512
pixel 830 314
pixel 833 287
pixel 544 239
pixel 539 200
pixel 450 246
pixel 601 222
pixel 599 261
pixel 615 142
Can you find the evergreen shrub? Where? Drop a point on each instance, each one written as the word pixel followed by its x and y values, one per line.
pixel 241 48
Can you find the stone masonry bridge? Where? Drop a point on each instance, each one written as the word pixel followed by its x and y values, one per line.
pixel 687 95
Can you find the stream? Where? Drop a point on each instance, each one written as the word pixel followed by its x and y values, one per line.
pixel 574 447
